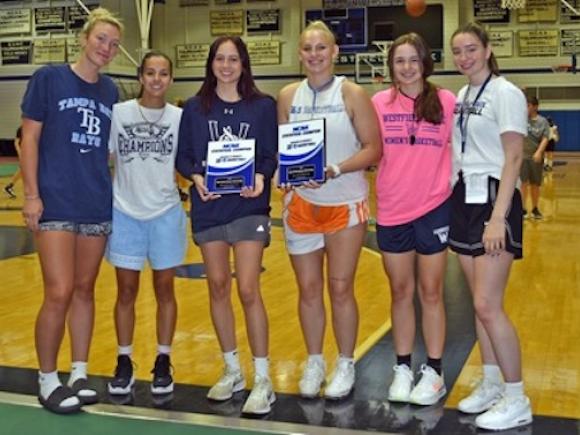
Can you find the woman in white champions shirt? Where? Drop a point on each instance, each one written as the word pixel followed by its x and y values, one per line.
pixel 328 222
pixel 149 223
pixel 486 220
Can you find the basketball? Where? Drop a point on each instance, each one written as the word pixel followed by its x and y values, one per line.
pixel 415 8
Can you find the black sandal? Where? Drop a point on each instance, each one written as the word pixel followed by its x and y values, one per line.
pixel 53 402
pixel 82 384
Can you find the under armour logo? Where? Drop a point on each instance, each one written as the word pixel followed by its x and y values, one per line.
pixel 260 229
pixel 228 111
pixel 442 233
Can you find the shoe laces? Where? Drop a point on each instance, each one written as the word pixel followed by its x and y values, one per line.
pixel 501 407
pixel 124 367
pixel 162 366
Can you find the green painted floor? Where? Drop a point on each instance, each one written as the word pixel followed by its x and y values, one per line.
pixel 27 420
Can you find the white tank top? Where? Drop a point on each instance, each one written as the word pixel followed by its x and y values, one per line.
pixel 341 142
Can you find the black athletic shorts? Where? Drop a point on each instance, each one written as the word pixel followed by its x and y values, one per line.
pixel 468 221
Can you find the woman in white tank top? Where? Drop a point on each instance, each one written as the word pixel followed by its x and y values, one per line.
pixel 329 220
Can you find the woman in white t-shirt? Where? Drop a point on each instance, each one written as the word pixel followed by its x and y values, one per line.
pixel 486 220
pixel 149 223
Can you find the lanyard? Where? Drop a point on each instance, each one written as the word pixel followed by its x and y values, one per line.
pixel 462 117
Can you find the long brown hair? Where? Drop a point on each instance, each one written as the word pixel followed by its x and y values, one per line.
pixel 477 29
pixel 427 105
pixel 246 86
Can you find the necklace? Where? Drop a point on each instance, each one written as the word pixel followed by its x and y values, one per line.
pixel 147 120
pixel 413 125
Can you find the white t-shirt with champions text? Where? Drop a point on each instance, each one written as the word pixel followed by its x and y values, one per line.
pixel 144 144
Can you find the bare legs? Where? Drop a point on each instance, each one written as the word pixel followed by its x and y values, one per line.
pixel 128 288
pixel 247 261
pixel 343 251
pixel 70 264
pixel 498 341
pixel 400 269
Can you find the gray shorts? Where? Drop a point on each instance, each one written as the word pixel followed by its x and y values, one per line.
pixel 248 228
pixel 91 230
pixel 532 172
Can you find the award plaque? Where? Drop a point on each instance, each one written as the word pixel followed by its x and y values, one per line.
pixel 301 151
pixel 230 165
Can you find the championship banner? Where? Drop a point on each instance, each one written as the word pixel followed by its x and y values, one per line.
pixel 264 52
pixel 230 165
pixel 73 49
pixel 490 11
pixel 15 52
pixel 301 152
pixel 502 43
pixel 262 20
pixel 191 55
pixel 539 42
pixel 539 11
pixel 49 19
pixel 49 51
pixel 15 21
pixel 226 22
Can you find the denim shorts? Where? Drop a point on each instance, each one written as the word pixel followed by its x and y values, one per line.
pixel 161 240
pixel 99 229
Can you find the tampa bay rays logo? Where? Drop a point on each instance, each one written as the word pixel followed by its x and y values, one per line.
pixel 143 140
pixel 228 133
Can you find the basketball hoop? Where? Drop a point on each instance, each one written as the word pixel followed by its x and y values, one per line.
pixel 513 4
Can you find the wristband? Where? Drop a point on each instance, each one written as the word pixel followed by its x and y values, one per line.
pixel 336 169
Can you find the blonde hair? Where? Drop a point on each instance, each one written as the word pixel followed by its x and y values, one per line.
pixel 321 27
pixel 100 15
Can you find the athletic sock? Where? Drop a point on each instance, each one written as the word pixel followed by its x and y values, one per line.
pixel 514 389
pixel 435 364
pixel 48 382
pixel 262 367
pixel 125 350
pixel 492 373
pixel 404 359
pixel 78 371
pixel 163 348
pixel 316 358
pixel 232 360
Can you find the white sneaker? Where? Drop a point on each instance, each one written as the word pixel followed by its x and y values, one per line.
pixel 231 382
pixel 485 395
pixel 312 379
pixel 429 389
pixel 508 413
pixel 261 397
pixel 342 381
pixel 400 388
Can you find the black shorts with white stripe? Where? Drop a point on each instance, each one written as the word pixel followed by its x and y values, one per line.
pixel 468 221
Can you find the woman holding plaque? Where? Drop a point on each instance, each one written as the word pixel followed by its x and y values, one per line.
pixel 486 221
pixel 328 221
pixel 228 107
pixel 149 223
pixel 413 211
pixel 66 115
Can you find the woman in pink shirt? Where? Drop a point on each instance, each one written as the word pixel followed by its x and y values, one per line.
pixel 413 188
